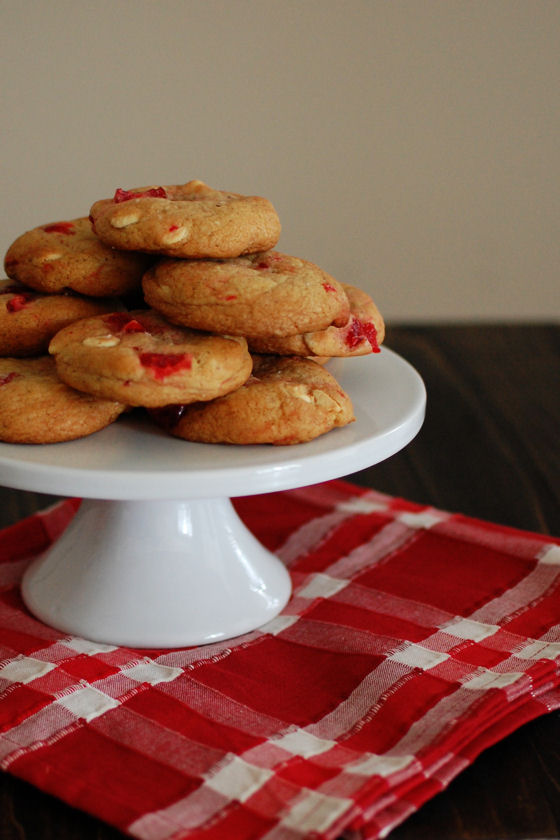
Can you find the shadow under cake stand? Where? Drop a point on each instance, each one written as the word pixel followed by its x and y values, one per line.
pixel 156 555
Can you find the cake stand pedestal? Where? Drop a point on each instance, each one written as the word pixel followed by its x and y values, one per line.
pixel 156 555
pixel 158 573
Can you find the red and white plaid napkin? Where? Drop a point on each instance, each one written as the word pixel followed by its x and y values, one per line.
pixel 414 639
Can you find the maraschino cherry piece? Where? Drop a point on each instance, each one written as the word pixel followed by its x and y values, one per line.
pixel 163 365
pixel 126 195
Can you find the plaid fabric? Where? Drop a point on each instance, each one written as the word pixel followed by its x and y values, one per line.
pixel 414 639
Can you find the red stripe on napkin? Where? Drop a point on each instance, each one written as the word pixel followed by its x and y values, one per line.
pixel 414 640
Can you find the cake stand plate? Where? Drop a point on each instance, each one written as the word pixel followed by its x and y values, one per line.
pixel 156 555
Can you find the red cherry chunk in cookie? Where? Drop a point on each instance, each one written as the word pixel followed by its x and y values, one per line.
pixel 163 365
pixel 122 322
pixel 168 415
pixel 126 195
pixel 358 331
pixel 60 227
pixel 18 301
pixel 8 377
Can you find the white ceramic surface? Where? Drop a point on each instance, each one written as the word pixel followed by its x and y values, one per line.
pixel 133 459
pixel 156 574
pixel 156 556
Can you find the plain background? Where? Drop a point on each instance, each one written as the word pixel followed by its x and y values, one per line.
pixel 411 147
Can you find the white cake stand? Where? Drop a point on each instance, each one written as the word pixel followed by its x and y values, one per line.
pixel 156 556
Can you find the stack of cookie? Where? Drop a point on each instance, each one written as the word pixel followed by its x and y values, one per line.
pixel 172 300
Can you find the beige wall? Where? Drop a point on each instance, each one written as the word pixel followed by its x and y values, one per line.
pixel 410 146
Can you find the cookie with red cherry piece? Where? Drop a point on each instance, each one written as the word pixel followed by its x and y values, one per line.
pixel 36 407
pixel 186 220
pixel 265 294
pixel 141 359
pixel 285 401
pixel 29 319
pixel 68 255
pixel 363 333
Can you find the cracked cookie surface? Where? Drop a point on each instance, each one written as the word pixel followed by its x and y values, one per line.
pixel 68 255
pixel 363 333
pixel 265 294
pixel 36 407
pixel 187 220
pixel 285 401
pixel 29 319
pixel 141 359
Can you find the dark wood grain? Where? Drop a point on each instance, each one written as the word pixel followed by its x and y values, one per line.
pixel 489 449
pixel 489 444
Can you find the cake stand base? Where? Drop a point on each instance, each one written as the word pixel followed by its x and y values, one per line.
pixel 154 574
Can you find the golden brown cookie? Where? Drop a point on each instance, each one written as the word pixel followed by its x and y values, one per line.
pixel 141 359
pixel 68 255
pixel 36 407
pixel 285 401
pixel 362 334
pixel 266 294
pixel 186 220
pixel 29 319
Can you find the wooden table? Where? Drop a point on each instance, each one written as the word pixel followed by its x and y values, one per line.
pixel 490 449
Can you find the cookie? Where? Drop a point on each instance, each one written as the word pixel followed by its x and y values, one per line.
pixel 265 294
pixel 29 319
pixel 362 334
pixel 285 401
pixel 188 220
pixel 141 359
pixel 68 255
pixel 36 407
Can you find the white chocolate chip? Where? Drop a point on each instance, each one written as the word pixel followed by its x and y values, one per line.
pixel 125 219
pixel 301 392
pixel 173 236
pixel 101 341
pixel 51 256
